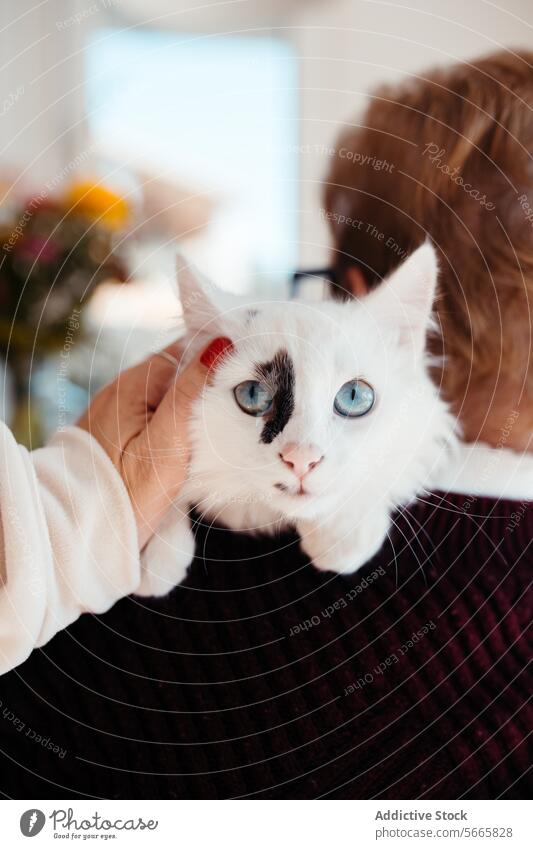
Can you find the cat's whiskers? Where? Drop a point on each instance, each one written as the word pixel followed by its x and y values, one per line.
pixel 408 542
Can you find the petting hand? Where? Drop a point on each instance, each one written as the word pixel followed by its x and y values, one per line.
pixel 140 419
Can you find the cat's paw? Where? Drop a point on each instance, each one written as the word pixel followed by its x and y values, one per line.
pixel 344 552
pixel 165 560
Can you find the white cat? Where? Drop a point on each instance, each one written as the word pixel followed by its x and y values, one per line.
pixel 322 417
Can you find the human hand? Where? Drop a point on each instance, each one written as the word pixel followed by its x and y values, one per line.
pixel 141 421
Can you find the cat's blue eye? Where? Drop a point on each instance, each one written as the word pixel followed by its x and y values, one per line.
pixel 253 397
pixel 355 398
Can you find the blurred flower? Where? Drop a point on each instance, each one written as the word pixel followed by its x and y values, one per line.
pixel 99 202
pixel 51 261
pixel 40 248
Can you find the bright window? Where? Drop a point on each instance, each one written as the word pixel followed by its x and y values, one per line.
pixel 219 114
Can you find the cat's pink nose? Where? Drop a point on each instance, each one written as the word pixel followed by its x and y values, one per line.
pixel 301 458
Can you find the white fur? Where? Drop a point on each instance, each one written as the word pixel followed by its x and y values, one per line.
pixel 371 464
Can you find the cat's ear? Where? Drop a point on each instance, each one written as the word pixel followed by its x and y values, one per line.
pixel 405 298
pixel 199 299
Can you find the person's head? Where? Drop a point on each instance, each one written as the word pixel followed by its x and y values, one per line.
pixel 449 155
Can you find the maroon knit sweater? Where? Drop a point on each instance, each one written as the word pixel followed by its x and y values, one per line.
pixel 261 677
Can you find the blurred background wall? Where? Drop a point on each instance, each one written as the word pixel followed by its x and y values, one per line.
pixel 212 123
pixel 322 56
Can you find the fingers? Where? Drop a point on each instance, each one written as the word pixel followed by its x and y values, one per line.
pixel 176 404
pixel 148 381
pixel 218 348
pixel 159 372
pixel 167 428
pixel 175 350
pixel 155 462
pixel 192 380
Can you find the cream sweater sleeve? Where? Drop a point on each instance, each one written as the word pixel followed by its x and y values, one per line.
pixel 68 541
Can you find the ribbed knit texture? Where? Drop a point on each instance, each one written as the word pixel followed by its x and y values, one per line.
pixel 213 692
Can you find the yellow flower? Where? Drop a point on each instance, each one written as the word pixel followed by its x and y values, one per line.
pixel 97 201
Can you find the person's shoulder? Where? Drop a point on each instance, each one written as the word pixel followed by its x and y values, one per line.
pixel 480 470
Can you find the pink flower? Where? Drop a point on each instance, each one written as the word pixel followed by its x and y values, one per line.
pixel 40 248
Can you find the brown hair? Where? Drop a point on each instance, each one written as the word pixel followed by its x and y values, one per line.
pixel 449 156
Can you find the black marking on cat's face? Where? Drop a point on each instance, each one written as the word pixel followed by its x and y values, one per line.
pixel 278 375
